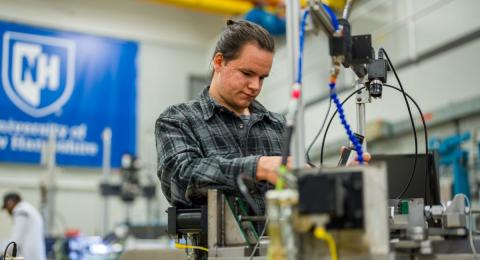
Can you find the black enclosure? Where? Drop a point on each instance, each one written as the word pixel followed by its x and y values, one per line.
pixel 399 170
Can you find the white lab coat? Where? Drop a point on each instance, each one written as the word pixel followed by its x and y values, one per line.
pixel 27 232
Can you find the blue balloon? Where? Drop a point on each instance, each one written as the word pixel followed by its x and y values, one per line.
pixel 254 15
pixel 272 23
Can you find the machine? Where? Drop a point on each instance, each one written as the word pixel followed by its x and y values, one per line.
pixel 452 154
pixel 351 200
pixel 330 212
pixel 128 190
pixel 326 214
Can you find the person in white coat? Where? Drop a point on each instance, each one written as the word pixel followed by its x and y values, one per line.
pixel 27 229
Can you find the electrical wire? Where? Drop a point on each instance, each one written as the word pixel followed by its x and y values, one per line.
pixel 470 229
pixel 347 98
pixel 260 237
pixel 244 190
pixel 296 95
pixel 322 234
pixel 286 147
pixel 14 250
pixel 303 24
pixel 425 132
pixel 180 246
pixel 382 50
pixel 307 153
pixel 333 95
pixel 330 122
pixel 421 115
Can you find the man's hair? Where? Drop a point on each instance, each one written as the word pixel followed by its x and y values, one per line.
pixel 11 196
pixel 239 33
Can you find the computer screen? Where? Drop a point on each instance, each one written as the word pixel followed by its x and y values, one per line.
pixel 399 170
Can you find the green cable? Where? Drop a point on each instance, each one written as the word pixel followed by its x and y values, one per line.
pixel 281 181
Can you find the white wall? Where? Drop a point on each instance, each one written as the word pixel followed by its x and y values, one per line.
pixel 172 46
pixel 434 83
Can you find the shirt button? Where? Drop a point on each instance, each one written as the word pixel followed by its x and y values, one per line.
pixel 241 126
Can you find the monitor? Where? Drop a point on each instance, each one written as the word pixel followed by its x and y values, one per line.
pixel 399 170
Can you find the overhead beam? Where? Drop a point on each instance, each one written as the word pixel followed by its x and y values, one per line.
pixel 228 7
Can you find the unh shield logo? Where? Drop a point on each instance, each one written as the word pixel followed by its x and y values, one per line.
pixel 38 72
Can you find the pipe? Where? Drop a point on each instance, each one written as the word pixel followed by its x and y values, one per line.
pixel 252 218
pixel 106 169
pixel 293 43
pixel 347 10
pixel 321 19
pixel 232 7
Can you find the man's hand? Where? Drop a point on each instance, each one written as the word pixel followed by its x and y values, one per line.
pixel 366 157
pixel 267 168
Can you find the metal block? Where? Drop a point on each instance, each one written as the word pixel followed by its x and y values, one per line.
pixel 223 229
pixel 363 96
pixel 454 216
pixel 214 220
pixel 398 222
pixel 416 215
pixel 454 220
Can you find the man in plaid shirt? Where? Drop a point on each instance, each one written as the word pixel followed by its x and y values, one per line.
pixel 208 142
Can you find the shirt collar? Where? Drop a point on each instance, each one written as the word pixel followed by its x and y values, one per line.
pixel 210 106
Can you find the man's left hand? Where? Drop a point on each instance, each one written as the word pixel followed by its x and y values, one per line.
pixel 366 157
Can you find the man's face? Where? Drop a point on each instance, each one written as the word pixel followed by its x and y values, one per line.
pixel 240 80
pixel 9 206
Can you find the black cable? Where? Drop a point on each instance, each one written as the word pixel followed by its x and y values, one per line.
pixel 307 153
pixel 14 250
pixel 331 119
pixel 287 138
pixel 244 190
pixel 382 50
pixel 427 163
pixel 399 90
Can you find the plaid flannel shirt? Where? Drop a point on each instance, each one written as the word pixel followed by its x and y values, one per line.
pixel 200 147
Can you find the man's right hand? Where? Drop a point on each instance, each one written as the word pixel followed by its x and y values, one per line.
pixel 267 168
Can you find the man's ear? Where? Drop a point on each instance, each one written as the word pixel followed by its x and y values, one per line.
pixel 217 61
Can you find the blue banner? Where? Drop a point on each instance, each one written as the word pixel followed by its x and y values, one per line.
pixel 73 84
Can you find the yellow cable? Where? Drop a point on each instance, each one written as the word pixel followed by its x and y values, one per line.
pixel 180 246
pixel 322 234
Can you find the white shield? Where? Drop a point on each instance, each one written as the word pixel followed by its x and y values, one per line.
pixel 38 72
